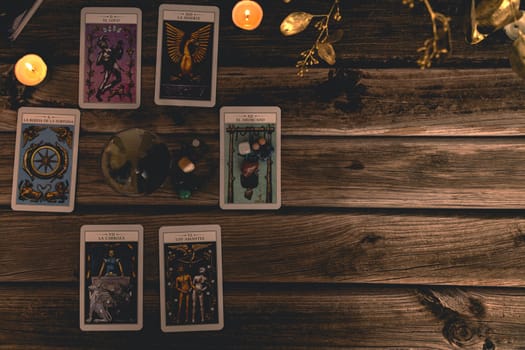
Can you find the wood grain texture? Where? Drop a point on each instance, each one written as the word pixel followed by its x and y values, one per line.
pixel 364 102
pixel 378 33
pixel 361 256
pixel 293 317
pixel 298 246
pixel 342 172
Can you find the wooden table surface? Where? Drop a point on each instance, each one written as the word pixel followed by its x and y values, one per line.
pixel 402 224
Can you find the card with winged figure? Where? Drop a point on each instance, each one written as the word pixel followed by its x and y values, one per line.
pixel 45 166
pixel 187 43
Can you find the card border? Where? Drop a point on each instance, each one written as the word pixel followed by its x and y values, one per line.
pixel 108 10
pixel 190 328
pixel 182 102
pixel 140 285
pixel 222 175
pixel 74 165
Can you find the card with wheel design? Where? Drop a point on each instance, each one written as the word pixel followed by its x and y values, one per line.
pixel 45 166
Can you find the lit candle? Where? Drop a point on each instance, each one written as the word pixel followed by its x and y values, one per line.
pixel 30 70
pixel 247 14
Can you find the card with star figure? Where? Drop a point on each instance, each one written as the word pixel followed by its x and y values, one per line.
pixel 190 278
pixel 111 277
pixel 45 164
pixel 187 47
pixel 110 57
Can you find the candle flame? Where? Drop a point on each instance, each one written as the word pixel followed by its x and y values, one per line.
pixel 247 14
pixel 29 66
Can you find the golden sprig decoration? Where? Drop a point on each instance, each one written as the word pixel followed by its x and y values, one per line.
pixel 435 48
pixel 440 44
pixel 296 22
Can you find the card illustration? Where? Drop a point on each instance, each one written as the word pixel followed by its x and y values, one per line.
pixel 45 159
pixel 111 282
pixel 110 61
pixel 191 280
pixel 191 275
pixel 111 277
pixel 186 60
pixel 250 157
pixel 187 55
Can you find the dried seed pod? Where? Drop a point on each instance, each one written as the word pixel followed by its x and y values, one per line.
pixel 326 52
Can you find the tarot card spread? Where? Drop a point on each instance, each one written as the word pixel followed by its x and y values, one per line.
pixel 191 279
pixel 250 158
pixel 187 55
pixel 110 58
pixel 44 174
pixel 111 286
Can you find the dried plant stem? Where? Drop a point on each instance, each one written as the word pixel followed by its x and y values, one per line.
pixel 433 48
pixel 309 58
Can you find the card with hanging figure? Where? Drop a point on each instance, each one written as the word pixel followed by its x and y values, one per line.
pixel 250 158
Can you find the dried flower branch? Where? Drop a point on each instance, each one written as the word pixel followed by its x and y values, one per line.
pixel 296 22
pixel 440 44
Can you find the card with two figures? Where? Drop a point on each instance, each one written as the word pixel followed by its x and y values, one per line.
pixel 111 278
pixel 191 297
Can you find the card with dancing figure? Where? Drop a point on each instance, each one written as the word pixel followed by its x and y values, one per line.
pixel 110 57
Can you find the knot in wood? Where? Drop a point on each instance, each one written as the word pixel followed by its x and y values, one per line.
pixel 489 345
pixel 458 332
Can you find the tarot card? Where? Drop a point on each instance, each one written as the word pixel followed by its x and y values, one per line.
pixel 111 277
pixel 45 166
pixel 190 278
pixel 250 158
pixel 110 57
pixel 187 46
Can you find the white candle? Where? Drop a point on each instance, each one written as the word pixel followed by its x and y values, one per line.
pixel 30 70
pixel 247 14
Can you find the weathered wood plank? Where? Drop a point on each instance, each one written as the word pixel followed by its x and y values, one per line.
pixel 370 102
pixel 299 246
pixel 378 33
pixel 342 172
pixel 306 317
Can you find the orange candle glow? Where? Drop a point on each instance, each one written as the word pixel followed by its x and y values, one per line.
pixel 247 14
pixel 30 70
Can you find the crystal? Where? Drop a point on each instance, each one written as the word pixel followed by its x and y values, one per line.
pixel 244 148
pixel 135 162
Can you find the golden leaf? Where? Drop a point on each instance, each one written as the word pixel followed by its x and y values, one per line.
pixel 295 23
pixel 326 52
